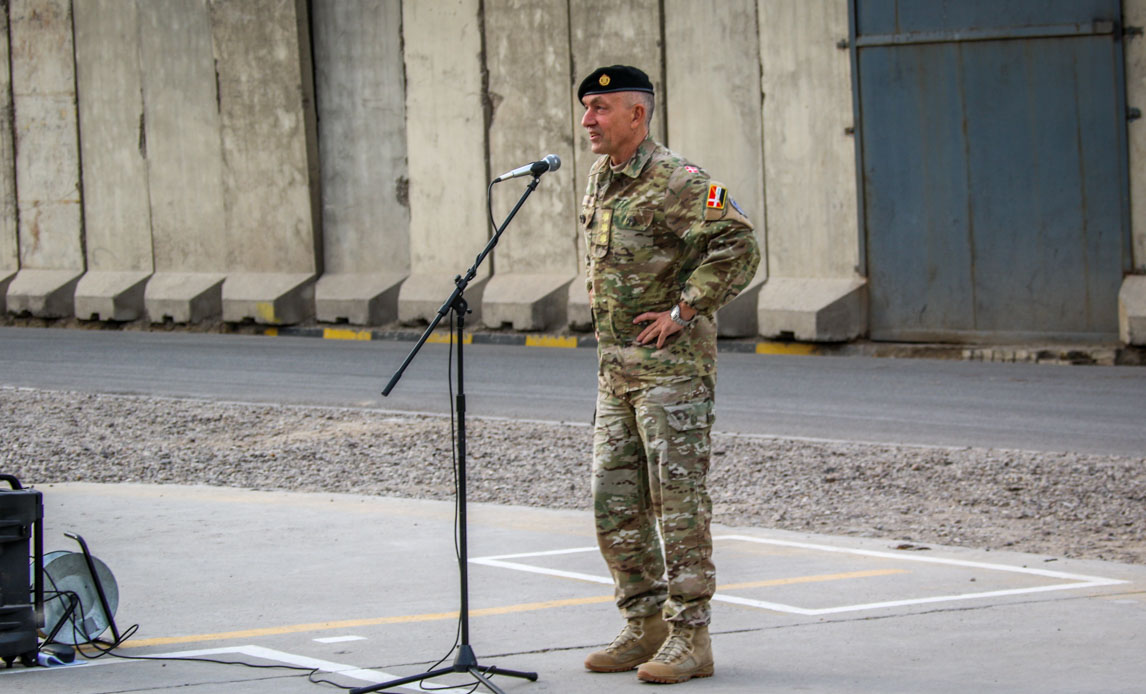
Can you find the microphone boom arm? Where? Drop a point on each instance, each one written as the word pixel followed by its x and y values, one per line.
pixel 461 284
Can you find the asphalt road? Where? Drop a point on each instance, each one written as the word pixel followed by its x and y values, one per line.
pixel 1087 409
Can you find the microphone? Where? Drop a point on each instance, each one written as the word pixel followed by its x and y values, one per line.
pixel 551 162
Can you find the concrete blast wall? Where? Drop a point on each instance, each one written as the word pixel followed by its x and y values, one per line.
pixel 270 162
pixel 117 210
pixel 814 289
pixel 527 53
pixel 607 33
pixel 197 133
pixel 1132 295
pixel 219 181
pixel 446 123
pixel 47 161
pixel 362 149
pixel 9 248
pixel 185 161
pixel 227 173
pixel 725 136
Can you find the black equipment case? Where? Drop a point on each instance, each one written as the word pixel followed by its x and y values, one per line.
pixel 21 571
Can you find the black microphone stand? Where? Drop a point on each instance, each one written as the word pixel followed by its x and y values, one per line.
pixel 466 661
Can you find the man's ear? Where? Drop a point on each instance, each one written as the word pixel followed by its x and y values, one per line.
pixel 638 115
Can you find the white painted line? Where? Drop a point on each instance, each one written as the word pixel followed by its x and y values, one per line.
pixel 77 663
pixel 900 556
pixel 529 568
pixel 340 639
pixel 275 656
pixel 372 676
pixel 1074 581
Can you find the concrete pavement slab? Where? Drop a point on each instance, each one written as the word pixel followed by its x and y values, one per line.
pixel 366 588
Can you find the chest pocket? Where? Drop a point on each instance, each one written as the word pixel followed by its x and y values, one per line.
pixel 634 235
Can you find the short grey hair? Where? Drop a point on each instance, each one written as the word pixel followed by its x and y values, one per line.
pixel 648 101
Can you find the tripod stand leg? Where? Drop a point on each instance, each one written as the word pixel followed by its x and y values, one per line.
pixel 477 674
pixel 494 670
pixel 402 680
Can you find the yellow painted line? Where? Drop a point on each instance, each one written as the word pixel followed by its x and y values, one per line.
pixel 352 623
pixel 813 579
pixel 444 337
pixel 530 606
pixel 798 348
pixel 550 341
pixel 483 612
pixel 271 332
pixel 343 334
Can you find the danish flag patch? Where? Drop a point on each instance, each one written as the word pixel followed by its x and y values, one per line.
pixel 716 196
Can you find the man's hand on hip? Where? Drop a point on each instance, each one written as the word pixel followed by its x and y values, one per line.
pixel 662 326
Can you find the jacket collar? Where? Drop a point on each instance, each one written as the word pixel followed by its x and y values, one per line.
pixel 636 163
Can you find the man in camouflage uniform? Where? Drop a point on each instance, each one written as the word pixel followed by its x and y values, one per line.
pixel 666 247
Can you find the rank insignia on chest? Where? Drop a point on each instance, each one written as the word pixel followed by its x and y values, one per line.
pixel 604 226
pixel 716 196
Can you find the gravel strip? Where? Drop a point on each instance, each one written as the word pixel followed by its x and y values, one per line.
pixel 1058 504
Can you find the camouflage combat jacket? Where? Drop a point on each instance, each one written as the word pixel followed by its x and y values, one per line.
pixel 659 231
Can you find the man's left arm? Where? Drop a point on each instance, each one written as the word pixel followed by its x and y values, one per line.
pixel 729 258
pixel 728 262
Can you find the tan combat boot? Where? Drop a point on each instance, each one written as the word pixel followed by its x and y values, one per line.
pixel 686 653
pixel 636 643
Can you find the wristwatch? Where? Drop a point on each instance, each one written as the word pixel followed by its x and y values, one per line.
pixel 676 318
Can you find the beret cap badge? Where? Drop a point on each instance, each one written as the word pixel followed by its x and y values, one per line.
pixel 604 81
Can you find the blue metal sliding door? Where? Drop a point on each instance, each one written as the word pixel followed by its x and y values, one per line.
pixel 993 167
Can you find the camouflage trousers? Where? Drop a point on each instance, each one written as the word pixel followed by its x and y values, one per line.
pixel 650 463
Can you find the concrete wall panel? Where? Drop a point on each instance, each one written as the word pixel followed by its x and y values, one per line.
pixel 446 135
pixel 608 33
pixel 362 149
pixel 47 147
pixel 813 248
pixel 1132 294
pixel 362 136
pixel 809 160
pixel 9 247
pixel 265 121
pixel 182 132
pixel 1134 14
pixel 714 107
pixel 206 140
pixel 1132 310
pixel 714 114
pixel 528 57
pixel 117 214
pixel 527 50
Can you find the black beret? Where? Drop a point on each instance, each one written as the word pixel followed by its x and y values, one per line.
pixel 615 78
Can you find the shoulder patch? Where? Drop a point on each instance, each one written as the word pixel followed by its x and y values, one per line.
pixel 716 197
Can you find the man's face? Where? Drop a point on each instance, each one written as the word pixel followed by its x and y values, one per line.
pixel 613 125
